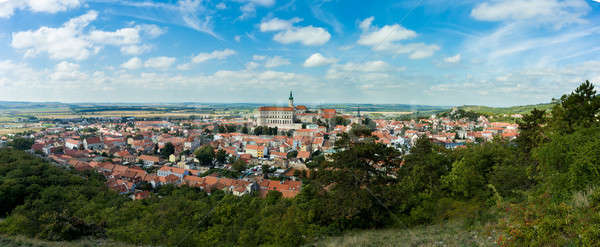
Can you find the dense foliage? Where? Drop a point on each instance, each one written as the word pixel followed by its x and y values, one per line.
pixel 543 189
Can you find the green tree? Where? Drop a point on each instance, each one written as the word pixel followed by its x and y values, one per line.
pixel 239 165
pixel 221 156
pixel 21 143
pixel 206 155
pixel 530 128
pixel 292 154
pixel 578 109
pixel 167 150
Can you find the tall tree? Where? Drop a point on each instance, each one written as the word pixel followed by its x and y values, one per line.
pixel 167 150
pixel 206 155
pixel 531 129
pixel 221 156
pixel 578 109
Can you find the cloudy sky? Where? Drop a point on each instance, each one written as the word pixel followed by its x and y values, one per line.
pixel 434 52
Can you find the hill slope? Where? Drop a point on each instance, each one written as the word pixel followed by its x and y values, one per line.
pixel 447 234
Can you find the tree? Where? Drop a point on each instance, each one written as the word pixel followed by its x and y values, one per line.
pixel 578 109
pixel 531 130
pixel 258 130
pixel 221 156
pixel 167 150
pixel 339 120
pixel 22 143
pixel 239 165
pixel 206 155
pixel 245 129
pixel 292 154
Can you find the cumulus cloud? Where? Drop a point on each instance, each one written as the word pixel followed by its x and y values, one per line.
pixel 277 24
pixel 452 59
pixel 8 7
pixel 66 71
pixel 159 62
pixel 133 63
pixel 220 55
pixel 317 59
pixel 276 61
pixel 135 49
pixel 387 39
pixel 252 65
pixel 71 41
pixel 185 66
pixel 288 33
pixel 366 70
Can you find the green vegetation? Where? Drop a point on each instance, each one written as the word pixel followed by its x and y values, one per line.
pixel 486 110
pixel 22 143
pixel 541 190
pixel 444 234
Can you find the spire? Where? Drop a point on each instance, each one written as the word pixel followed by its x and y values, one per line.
pixel 291 97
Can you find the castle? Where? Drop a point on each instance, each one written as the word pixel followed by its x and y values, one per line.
pixel 280 116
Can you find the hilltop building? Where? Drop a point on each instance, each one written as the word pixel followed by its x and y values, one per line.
pixel 280 116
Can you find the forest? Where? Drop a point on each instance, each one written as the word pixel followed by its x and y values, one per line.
pixel 541 190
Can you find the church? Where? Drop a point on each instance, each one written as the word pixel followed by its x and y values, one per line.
pixel 280 116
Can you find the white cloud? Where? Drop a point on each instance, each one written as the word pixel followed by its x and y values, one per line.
pixel 277 24
pixel 276 61
pixel 64 42
pixel 317 59
pixel 288 33
pixel 7 7
pixel 453 59
pixel 133 63
pixel 249 9
pixel 65 71
pixel 238 38
pixel 387 39
pixel 124 36
pixel 368 69
pixel 252 65
pixel 221 5
pixel 185 66
pixel 220 55
pixel 151 30
pixel 194 14
pixel 159 62
pixel 70 41
pixel 258 57
pixel 135 49
pixel 553 11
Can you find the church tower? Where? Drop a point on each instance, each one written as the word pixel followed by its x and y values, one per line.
pixel 291 100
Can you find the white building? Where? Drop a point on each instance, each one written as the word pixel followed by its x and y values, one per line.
pixel 280 116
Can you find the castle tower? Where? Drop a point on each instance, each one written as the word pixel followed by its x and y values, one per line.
pixel 291 100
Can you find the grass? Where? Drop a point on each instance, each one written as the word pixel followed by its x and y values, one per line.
pixel 446 234
pixel 18 241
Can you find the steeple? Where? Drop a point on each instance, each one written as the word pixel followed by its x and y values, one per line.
pixel 291 100
pixel 291 97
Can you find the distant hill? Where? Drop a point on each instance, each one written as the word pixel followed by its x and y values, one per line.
pixel 506 110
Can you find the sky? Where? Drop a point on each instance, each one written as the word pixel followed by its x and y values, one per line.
pixel 428 52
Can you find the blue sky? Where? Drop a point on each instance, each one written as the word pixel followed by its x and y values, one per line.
pixel 435 52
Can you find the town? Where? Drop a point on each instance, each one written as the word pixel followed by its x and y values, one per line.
pixel 267 150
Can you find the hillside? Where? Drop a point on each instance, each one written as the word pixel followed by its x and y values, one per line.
pixel 506 110
pixel 447 234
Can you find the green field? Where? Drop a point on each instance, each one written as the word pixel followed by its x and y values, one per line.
pixel 506 110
